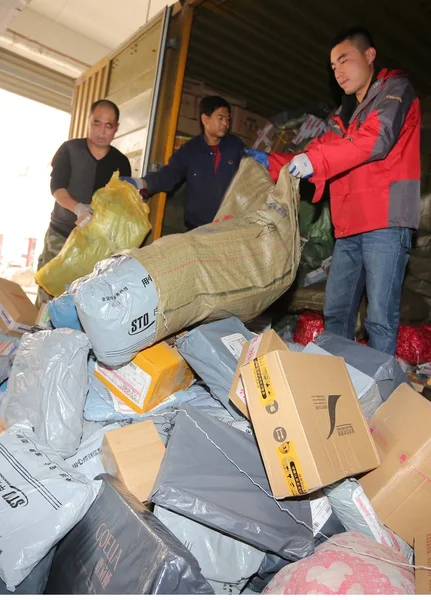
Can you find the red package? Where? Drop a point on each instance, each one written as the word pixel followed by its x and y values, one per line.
pixel 414 344
pixel 309 326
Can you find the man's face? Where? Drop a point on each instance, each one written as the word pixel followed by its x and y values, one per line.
pixel 352 68
pixel 217 125
pixel 102 126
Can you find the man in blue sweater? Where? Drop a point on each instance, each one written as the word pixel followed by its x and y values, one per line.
pixel 207 163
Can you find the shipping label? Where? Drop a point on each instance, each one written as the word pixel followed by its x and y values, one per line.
pixel 234 343
pixel 130 380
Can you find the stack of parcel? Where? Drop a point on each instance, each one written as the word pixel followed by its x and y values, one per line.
pixel 218 460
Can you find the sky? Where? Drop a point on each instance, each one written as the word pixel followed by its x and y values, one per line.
pixel 30 134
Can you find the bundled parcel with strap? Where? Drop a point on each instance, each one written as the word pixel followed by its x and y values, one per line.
pixel 119 222
pixel 236 266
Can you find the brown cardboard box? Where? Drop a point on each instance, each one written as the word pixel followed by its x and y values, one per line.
pixel 189 106
pixel 400 489
pixel 246 124
pixel 258 346
pixel 134 454
pixel 17 313
pixel 423 559
pixel 307 419
pixel 193 86
pixel 188 126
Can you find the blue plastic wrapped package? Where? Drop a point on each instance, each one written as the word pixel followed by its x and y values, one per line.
pixel 197 481
pixel 226 563
pixel 383 368
pixel 120 547
pixel 62 312
pixel 42 499
pixel 48 386
pixel 117 305
pixel 213 351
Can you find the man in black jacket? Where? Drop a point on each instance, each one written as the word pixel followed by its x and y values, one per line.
pixel 79 168
pixel 207 163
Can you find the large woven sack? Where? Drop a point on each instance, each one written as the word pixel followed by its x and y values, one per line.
pixel 120 221
pixel 237 267
pixel 245 194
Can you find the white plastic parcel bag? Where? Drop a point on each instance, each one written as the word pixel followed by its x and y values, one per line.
pixel 41 499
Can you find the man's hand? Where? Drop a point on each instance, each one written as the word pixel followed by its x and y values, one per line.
pixel 138 182
pixel 259 156
pixel 301 167
pixel 83 212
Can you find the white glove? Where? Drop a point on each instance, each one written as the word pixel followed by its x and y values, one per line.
pixel 301 167
pixel 80 209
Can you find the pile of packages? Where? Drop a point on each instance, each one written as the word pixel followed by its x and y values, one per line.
pixel 217 461
pixel 135 459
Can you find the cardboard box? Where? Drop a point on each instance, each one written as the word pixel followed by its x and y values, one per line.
pixel 189 106
pixel 188 126
pixel 17 313
pixel 7 348
pixel 258 346
pixel 152 376
pixel 423 558
pixel 307 420
pixel 134 454
pixel 266 138
pixel 193 86
pixel 400 489
pixel 245 123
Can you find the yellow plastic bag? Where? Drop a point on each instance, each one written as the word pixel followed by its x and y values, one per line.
pixel 120 221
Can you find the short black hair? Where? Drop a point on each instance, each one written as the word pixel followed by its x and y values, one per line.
pixel 107 104
pixel 209 104
pixel 359 36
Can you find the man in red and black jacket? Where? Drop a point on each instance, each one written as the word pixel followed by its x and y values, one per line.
pixel 207 163
pixel 370 156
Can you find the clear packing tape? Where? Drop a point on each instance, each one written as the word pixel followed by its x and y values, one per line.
pixel 119 222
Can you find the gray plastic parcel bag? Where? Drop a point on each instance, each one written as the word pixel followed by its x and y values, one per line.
pixel 87 459
pixel 120 547
pixel 36 580
pixel 213 351
pixel 352 506
pixel 5 367
pixel 226 563
pixel 47 387
pixel 116 305
pixel 43 498
pixel 325 525
pixel 197 481
pixel 383 368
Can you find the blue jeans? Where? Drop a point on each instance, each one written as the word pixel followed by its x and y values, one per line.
pixel 376 260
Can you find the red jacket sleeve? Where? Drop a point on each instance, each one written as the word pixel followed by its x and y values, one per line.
pixel 276 161
pixel 373 140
